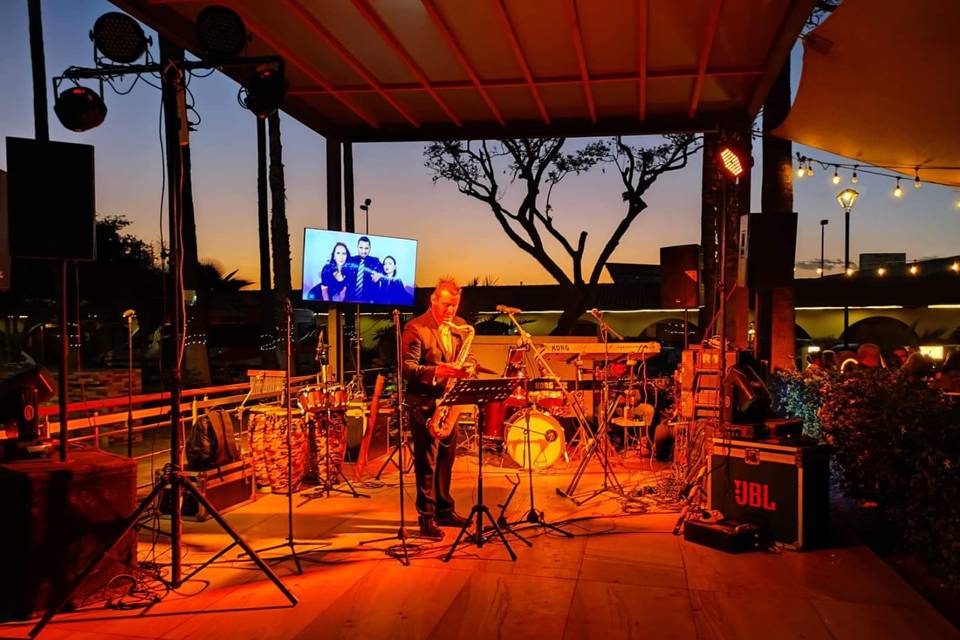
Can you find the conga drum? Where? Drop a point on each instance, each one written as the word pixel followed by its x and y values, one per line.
pixel 327 430
pixel 268 442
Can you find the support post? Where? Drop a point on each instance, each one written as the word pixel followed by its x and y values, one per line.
pixel 335 222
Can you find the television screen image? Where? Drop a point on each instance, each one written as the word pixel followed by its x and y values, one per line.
pixel 354 267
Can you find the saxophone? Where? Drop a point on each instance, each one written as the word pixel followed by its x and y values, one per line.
pixel 444 419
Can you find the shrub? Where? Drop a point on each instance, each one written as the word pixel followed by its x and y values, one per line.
pixel 897 443
pixel 799 395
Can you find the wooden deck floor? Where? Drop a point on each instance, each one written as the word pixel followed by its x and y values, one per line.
pixel 622 576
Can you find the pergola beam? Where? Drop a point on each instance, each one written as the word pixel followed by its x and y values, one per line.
pixel 581 57
pixel 643 33
pixel 510 83
pixel 521 59
pixel 311 22
pixel 712 25
pixel 454 46
pixel 378 25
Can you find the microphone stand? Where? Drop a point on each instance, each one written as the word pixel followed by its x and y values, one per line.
pixel 398 551
pixel 129 315
pixel 535 517
pixel 600 442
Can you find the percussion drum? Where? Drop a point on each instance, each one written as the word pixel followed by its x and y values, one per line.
pixel 324 431
pixel 494 415
pixel 546 439
pixel 268 442
pixel 331 397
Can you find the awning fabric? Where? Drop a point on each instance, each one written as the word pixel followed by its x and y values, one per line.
pixel 881 86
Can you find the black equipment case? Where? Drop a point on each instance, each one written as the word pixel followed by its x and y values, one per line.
pixel 781 486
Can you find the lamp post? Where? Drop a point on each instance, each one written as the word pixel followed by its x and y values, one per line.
pixel 845 199
pixel 823 226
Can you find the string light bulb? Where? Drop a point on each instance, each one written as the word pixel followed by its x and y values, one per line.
pixel 802 171
pixel 836 177
pixel 898 192
pixel 854 179
pixel 914 269
pixel 809 168
pixel 955 266
pixel 916 178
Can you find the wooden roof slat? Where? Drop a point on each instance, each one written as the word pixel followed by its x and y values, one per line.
pixel 378 25
pixel 575 32
pixel 521 58
pixel 712 25
pixel 643 31
pixel 312 23
pixel 454 46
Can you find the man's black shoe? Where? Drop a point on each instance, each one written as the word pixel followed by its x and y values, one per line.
pixel 429 529
pixel 452 519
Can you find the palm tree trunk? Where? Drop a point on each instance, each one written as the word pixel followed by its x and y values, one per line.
pixel 280 235
pixel 268 360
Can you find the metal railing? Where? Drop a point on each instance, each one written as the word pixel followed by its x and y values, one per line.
pixel 103 424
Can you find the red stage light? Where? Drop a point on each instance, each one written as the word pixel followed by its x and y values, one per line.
pixel 731 162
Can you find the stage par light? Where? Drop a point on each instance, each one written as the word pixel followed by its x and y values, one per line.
pixel 264 92
pixel 221 32
pixel 80 108
pixel 119 38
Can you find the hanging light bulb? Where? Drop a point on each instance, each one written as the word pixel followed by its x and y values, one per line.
pixel 809 168
pixel 836 176
pixel 854 179
pixel 916 178
pixel 801 171
pixel 898 192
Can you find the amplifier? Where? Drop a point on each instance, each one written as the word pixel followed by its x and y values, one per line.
pixel 726 535
pixel 782 487
pixel 227 487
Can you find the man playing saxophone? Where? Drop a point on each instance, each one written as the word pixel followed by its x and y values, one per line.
pixel 431 350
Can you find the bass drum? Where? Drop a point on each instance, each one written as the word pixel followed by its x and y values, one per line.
pixel 546 439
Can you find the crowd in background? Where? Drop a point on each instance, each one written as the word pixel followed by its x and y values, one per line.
pixel 908 360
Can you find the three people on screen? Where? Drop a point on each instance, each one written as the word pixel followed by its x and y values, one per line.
pixel 359 278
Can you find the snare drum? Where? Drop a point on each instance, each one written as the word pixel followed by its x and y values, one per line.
pixel 268 442
pixel 546 439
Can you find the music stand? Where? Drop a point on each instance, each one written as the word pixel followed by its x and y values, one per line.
pixel 479 392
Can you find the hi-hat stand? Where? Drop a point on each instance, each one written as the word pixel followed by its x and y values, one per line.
pixel 479 392
pixel 601 441
pixel 400 550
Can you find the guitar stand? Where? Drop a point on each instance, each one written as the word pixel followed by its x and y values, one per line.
pixel 479 392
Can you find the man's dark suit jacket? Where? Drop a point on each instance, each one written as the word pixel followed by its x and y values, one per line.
pixel 422 352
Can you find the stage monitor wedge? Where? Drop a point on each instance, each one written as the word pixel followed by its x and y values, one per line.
pixel 51 200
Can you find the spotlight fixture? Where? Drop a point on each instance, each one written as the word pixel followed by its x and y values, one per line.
pixel 221 32
pixel 836 177
pixel 264 92
pixel 119 38
pixel 80 108
pixel 731 162
pixel 898 192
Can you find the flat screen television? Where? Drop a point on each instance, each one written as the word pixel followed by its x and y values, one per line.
pixel 358 268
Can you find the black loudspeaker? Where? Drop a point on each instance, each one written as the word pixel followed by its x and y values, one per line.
pixel 51 200
pixel 768 245
pixel 680 277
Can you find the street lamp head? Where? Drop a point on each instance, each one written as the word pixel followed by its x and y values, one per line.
pixel 824 222
pixel 846 198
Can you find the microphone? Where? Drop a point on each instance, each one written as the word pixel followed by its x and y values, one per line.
pixel 320 347
pixel 596 313
pixel 508 310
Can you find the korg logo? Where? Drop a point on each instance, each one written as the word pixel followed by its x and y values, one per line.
pixel 753 494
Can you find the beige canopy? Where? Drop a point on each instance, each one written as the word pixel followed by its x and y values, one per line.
pixel 881 85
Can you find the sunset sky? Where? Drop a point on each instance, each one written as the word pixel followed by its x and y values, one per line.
pixel 456 235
